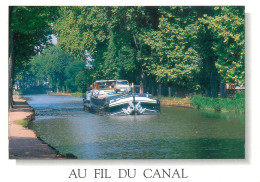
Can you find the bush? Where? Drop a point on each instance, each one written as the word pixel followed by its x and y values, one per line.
pixel 220 104
pixel 240 95
pixel 216 104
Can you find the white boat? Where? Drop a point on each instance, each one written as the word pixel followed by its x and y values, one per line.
pixel 116 97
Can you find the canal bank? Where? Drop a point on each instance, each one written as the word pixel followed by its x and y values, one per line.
pixel 23 142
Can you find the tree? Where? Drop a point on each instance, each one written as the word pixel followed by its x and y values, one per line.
pixel 228 29
pixel 80 29
pixel 108 33
pixel 173 59
pixel 178 46
pixel 55 66
pixel 208 76
pixel 120 57
pixel 29 28
pixel 84 79
pixel 71 71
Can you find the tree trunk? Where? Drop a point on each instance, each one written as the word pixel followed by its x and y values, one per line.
pixel 148 84
pixel 141 82
pixel 179 92
pixel 213 81
pixel 159 90
pixel 223 90
pixel 153 84
pixel 10 62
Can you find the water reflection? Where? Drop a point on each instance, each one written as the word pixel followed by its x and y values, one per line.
pixel 175 133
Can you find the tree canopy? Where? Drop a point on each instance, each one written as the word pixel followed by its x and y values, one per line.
pixel 189 48
pixel 228 29
pixel 29 27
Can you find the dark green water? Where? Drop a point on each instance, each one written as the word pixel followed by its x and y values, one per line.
pixel 177 133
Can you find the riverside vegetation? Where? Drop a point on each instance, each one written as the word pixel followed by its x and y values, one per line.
pixel 236 104
pixel 220 104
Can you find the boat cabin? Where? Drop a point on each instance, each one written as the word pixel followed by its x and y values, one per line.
pixel 113 85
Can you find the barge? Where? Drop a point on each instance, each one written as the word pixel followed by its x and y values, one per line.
pixel 117 97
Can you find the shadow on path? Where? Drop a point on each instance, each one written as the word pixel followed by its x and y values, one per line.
pixel 23 142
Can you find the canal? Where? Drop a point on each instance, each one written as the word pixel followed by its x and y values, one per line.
pixel 176 133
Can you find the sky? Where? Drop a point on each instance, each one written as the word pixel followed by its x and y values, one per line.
pixel 54 39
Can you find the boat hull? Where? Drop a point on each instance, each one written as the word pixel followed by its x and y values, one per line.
pixel 127 105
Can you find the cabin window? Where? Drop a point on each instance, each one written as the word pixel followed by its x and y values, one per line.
pixel 122 82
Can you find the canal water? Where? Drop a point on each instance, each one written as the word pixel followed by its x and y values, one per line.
pixel 176 133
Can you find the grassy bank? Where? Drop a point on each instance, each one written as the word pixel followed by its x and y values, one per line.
pixel 175 101
pixel 75 94
pixel 206 103
pixel 220 104
pixel 22 122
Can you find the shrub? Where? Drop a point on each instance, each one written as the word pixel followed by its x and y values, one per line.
pixel 216 104
pixel 240 95
pixel 220 104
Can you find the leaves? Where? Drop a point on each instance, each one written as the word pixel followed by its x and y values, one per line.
pixel 228 29
pixel 56 67
pixel 174 61
pixel 30 27
pixel 184 47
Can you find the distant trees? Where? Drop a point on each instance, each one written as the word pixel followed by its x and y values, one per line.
pixel 59 69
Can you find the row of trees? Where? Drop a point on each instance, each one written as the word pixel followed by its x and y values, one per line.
pixel 56 69
pixel 192 48
pixel 189 48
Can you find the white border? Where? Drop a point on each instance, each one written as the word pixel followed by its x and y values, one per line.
pixel 197 170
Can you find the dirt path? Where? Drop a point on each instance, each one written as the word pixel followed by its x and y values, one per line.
pixel 23 142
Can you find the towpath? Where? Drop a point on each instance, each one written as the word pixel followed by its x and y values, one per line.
pixel 23 142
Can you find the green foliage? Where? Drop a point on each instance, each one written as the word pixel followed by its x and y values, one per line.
pixel 119 63
pixel 81 28
pixel 219 104
pixel 30 27
pixel 56 62
pixel 186 100
pixel 34 90
pixel 78 94
pixel 71 71
pixel 228 29
pixel 57 68
pixel 173 59
pixel 179 46
pixel 110 34
pixel 189 48
pixel 240 95
pixel 23 123
pixel 83 79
